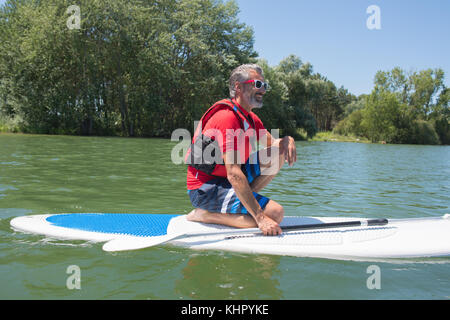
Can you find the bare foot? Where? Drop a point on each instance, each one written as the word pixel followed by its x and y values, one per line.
pixel 196 215
pixel 227 219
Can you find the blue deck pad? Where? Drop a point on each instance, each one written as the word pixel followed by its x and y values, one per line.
pixel 144 225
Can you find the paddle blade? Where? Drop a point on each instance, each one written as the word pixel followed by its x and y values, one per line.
pixel 135 243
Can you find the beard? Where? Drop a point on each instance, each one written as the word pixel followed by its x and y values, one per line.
pixel 255 103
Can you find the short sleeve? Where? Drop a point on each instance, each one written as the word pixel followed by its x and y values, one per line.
pixel 221 126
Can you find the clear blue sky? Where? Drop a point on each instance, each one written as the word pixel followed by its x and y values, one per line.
pixel 332 35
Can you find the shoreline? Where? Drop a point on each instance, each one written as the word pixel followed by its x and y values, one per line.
pixel 328 136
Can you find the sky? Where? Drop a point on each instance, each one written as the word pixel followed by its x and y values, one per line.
pixel 333 36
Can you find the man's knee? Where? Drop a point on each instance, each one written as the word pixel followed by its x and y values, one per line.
pixel 275 211
pixel 279 214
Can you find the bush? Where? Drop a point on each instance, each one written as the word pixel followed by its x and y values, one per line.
pixel 423 132
pixel 10 123
pixel 351 125
pixel 442 127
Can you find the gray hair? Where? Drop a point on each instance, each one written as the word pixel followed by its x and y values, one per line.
pixel 240 74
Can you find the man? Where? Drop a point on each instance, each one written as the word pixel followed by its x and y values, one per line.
pixel 226 192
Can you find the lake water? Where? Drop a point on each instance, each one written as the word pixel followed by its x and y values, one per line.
pixel 60 174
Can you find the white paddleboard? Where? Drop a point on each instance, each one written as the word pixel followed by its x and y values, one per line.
pixel 400 238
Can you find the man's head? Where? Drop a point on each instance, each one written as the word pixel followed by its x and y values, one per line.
pixel 247 86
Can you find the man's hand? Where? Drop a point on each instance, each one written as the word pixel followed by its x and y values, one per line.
pixel 288 148
pixel 268 226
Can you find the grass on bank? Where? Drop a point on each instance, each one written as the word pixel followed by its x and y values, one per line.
pixel 333 137
pixel 328 136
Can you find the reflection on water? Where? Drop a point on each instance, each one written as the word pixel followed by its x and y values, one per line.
pixel 224 276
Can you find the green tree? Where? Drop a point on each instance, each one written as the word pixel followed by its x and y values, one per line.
pixel 134 68
pixel 403 108
pixel 380 115
pixel 420 90
pixel 396 81
pixel 295 78
pixel 351 125
pixel 426 86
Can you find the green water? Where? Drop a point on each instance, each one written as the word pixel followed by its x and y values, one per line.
pixel 55 174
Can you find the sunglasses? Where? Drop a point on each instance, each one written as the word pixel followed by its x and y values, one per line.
pixel 258 84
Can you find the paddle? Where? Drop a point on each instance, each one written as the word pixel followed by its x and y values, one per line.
pixel 134 243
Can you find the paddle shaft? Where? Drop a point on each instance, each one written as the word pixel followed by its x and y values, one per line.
pixel 372 222
pixel 328 225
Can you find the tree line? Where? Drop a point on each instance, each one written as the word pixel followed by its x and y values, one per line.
pixel 142 68
pixel 404 107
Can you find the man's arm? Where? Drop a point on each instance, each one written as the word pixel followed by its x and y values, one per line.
pixel 286 146
pixel 243 191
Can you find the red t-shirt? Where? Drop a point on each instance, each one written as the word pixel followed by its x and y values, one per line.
pixel 222 126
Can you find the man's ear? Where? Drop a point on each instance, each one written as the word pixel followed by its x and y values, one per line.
pixel 237 87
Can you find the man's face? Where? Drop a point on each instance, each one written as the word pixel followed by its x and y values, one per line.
pixel 250 96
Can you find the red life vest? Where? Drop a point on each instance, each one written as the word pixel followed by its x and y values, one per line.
pixel 200 141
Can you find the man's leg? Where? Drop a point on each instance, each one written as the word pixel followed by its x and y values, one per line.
pixel 270 163
pixel 273 210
